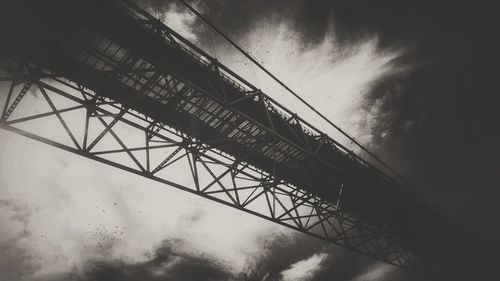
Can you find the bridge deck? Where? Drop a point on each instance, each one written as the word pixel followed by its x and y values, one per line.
pixel 127 56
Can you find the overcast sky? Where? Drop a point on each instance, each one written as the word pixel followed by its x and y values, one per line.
pixel 415 81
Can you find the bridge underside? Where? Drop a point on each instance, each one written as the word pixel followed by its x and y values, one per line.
pixel 153 104
pixel 64 114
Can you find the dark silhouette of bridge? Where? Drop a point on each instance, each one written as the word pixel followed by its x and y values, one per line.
pixel 122 68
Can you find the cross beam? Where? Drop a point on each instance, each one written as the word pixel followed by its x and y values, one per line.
pixel 159 153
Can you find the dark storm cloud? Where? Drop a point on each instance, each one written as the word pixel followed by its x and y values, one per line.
pixel 237 18
pixel 167 263
pixel 442 118
pixel 280 252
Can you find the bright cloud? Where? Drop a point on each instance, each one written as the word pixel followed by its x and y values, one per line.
pixel 64 211
pixel 332 76
pixel 304 270
pixel 376 272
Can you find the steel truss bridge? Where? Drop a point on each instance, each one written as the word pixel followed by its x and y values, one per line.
pixel 128 91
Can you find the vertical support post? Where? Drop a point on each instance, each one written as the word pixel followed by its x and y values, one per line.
pixel 194 168
pixel 3 118
pixel 337 205
pixel 147 138
pixel 86 129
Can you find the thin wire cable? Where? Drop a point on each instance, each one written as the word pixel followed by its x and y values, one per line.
pixel 253 72
pixel 211 44
pixel 206 37
pixel 214 50
pixel 157 9
pixel 247 54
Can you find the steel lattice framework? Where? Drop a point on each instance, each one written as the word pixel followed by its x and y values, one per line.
pixel 167 123
pixel 214 174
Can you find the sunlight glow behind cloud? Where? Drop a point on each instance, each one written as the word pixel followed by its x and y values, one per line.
pixel 334 77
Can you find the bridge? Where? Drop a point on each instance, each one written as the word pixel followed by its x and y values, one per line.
pixel 130 92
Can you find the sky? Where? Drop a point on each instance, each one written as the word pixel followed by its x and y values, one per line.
pixel 414 81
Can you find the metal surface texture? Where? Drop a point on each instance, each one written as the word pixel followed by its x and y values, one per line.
pixel 128 91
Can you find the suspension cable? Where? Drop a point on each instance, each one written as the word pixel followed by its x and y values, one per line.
pixel 247 54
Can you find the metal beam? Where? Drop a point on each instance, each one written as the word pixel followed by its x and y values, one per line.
pixel 232 182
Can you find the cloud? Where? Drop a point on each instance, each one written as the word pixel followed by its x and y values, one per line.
pixel 335 77
pixel 376 272
pixel 168 263
pixel 65 212
pixel 304 270
pixel 177 17
pixel 182 21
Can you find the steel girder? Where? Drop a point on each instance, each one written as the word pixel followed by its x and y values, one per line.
pixel 101 129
